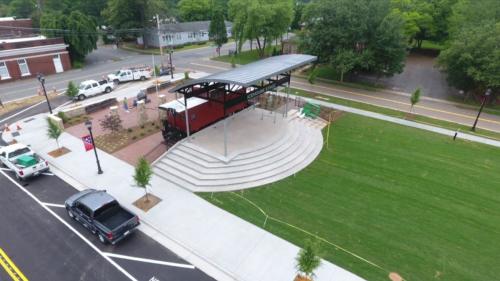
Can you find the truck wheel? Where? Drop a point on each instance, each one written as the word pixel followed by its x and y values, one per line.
pixel 81 97
pixel 143 78
pixel 116 81
pixel 102 239
pixel 108 89
pixel 18 177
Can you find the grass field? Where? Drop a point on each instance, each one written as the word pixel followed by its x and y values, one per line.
pixel 407 200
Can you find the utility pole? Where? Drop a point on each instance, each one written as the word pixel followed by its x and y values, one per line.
pixel 159 35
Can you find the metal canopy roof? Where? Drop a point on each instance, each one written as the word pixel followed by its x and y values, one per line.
pixel 252 73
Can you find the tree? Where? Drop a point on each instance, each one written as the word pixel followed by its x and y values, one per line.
pixel 143 174
pixel 298 10
pixel 472 60
pixel 260 20
pixel 111 122
pixel 72 90
pixel 22 8
pixel 54 131
pixel 127 14
pixel 414 98
pixel 217 31
pixel 194 10
pixel 344 61
pixel 81 35
pixel 307 261
pixel 366 28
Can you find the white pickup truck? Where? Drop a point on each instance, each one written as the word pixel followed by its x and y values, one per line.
pixel 23 161
pixel 130 74
pixel 90 88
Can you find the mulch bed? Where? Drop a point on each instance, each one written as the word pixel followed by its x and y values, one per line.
pixel 146 203
pixel 59 152
pixel 114 142
pixel 301 278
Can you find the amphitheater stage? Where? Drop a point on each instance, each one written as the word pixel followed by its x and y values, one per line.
pixel 261 147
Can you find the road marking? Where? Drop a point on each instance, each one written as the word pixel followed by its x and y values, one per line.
pixel 112 262
pixel 53 205
pixel 11 268
pixel 111 255
pixel 6 169
pixel 389 100
pixel 209 66
pixel 22 111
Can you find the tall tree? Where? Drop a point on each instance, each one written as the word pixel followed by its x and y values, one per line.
pixel 22 8
pixel 78 30
pixel 194 10
pixel 472 60
pixel 367 28
pixel 261 20
pixel 126 14
pixel 217 30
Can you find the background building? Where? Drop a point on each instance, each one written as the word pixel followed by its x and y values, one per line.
pixel 24 55
pixel 182 33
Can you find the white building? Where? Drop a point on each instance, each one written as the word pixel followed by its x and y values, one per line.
pixel 175 34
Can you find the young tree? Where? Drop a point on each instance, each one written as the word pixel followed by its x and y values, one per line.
pixel 414 98
pixel 54 131
pixel 344 61
pixel 111 122
pixel 143 174
pixel 72 90
pixel 307 261
pixel 217 31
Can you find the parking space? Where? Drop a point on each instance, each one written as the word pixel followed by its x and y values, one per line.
pixel 46 244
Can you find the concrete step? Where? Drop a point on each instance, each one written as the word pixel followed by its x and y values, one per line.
pixel 232 172
pixel 235 179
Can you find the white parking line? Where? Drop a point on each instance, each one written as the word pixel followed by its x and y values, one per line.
pixel 111 255
pixel 53 205
pixel 112 262
pixel 5 169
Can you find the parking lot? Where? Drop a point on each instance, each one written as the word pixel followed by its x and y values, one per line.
pixel 45 244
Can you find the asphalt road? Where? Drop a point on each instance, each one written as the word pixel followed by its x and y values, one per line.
pixel 100 63
pixel 50 246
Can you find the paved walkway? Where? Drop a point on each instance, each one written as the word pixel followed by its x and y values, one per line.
pixel 217 242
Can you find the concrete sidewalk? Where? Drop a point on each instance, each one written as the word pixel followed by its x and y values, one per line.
pixel 217 242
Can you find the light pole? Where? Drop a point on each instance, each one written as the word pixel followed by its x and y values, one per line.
pixel 41 79
pixel 486 95
pixel 159 35
pixel 88 124
pixel 171 64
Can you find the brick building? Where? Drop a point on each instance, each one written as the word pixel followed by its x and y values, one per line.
pixel 23 57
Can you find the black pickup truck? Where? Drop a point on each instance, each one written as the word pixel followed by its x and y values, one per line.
pixel 102 215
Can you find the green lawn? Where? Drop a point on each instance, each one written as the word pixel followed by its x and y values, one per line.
pixel 397 113
pixel 407 200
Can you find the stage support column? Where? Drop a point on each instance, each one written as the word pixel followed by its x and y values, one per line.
pixel 225 137
pixel 286 99
pixel 187 116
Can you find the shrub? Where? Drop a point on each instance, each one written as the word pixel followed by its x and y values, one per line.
pixel 63 117
pixel 72 90
pixel 186 75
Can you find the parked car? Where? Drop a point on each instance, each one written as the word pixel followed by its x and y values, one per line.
pixel 130 74
pixel 100 213
pixel 23 161
pixel 90 88
pixel 165 70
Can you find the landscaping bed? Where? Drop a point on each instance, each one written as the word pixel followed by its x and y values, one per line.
pixel 388 199
pixel 113 142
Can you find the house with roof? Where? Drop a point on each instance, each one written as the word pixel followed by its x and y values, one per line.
pixel 181 33
pixel 24 55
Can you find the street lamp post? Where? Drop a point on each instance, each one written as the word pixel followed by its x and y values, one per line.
pixel 41 79
pixel 486 95
pixel 88 124
pixel 171 64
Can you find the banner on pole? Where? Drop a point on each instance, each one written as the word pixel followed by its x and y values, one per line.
pixel 87 142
